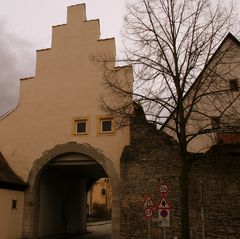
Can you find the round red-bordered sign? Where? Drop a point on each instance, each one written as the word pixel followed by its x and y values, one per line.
pixel 163 188
pixel 164 212
pixel 148 212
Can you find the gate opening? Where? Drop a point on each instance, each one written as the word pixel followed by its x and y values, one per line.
pixel 74 191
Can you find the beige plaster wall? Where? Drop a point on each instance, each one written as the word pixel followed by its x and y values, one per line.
pixel 227 68
pixel 224 66
pixel 11 219
pixel 68 84
pixel 97 196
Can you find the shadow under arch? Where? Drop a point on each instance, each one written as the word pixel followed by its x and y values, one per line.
pixel 31 197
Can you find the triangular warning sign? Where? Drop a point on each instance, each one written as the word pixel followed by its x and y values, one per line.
pixel 148 202
pixel 164 204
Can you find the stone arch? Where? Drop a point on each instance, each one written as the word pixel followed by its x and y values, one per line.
pixel 31 201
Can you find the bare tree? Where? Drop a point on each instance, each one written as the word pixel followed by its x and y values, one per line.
pixel 183 64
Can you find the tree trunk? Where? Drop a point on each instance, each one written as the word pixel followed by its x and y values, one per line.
pixel 184 196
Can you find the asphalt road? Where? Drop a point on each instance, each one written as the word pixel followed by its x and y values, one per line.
pixel 97 230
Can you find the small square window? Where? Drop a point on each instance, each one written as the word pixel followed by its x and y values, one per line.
pixel 233 84
pixel 80 126
pixel 106 125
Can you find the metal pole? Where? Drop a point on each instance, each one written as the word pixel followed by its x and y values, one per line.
pixel 164 233
pixel 149 229
pixel 202 211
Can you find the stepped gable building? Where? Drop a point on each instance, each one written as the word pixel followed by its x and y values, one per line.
pixel 58 141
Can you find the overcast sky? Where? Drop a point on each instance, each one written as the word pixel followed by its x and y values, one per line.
pixel 26 25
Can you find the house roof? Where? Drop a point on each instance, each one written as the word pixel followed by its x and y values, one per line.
pixel 228 36
pixel 8 179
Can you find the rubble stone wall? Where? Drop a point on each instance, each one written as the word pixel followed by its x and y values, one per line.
pixel 214 194
pixel 152 158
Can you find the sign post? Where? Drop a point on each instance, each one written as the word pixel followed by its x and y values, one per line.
pixel 148 206
pixel 148 213
pixel 164 212
pixel 164 208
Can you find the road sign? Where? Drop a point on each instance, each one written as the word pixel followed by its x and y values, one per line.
pixel 163 188
pixel 148 202
pixel 163 204
pixel 148 212
pixel 164 217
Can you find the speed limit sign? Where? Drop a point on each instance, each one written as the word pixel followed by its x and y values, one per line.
pixel 148 212
pixel 163 188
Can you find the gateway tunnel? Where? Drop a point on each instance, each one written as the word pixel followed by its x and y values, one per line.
pixel 64 206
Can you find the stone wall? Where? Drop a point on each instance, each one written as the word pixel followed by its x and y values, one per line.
pixel 214 191
pixel 150 159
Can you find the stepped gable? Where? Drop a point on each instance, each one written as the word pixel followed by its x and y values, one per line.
pixel 8 179
pixel 77 20
pixel 73 44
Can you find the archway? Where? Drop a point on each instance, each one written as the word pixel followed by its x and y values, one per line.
pixel 32 194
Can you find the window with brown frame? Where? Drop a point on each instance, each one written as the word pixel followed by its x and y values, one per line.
pixel 106 126
pixel 80 126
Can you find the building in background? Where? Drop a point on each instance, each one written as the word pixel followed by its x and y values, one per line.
pixel 99 200
pixel 215 117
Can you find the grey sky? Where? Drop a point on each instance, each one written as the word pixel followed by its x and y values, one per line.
pixel 26 26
